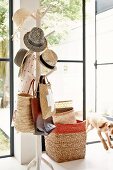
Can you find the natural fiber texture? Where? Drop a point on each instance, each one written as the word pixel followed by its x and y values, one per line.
pixel 67 142
pixel 48 58
pixel 20 56
pixel 35 40
pixel 48 109
pixel 23 118
pixel 64 116
pixel 28 54
pixel 63 104
pixel 20 16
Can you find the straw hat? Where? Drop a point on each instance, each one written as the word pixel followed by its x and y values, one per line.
pixel 49 59
pixel 20 16
pixel 35 40
pixel 20 56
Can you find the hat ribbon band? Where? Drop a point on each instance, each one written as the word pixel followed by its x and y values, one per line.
pixel 47 65
pixel 34 44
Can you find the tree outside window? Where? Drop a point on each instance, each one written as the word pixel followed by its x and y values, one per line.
pixel 3 48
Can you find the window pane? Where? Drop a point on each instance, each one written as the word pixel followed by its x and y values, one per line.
pixel 4 28
pixel 105 37
pixel 67 84
pixel 65 18
pixel 105 90
pixel 4 109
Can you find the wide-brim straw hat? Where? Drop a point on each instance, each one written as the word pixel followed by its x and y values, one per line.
pixel 35 40
pixel 20 16
pixel 20 55
pixel 49 59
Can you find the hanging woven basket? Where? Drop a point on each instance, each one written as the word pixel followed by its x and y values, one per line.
pixel 23 118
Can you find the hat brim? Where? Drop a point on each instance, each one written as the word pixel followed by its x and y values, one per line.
pixel 49 59
pixel 20 56
pixel 23 61
pixel 20 16
pixel 45 64
pixel 32 47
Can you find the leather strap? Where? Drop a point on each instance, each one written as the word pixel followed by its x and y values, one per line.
pixel 32 84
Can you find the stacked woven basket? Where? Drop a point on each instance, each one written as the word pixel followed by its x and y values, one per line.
pixel 67 142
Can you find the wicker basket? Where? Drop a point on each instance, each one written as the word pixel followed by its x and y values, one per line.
pixel 67 142
pixel 64 104
pixel 64 116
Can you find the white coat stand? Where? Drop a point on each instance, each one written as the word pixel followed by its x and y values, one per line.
pixel 37 160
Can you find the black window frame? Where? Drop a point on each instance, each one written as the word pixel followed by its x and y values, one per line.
pixel 10 60
pixel 83 61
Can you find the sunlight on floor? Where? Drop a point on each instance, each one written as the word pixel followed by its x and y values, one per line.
pixel 96 159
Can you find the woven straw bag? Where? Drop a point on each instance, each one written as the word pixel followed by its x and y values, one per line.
pixel 23 117
pixel 46 98
pixel 67 142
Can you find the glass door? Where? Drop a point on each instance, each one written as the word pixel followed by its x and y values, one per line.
pixel 65 20
pixel 6 79
pixel 104 63
pixel 99 62
pixel 103 67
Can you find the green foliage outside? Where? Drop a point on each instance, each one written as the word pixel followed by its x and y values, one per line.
pixel 61 16
pixel 3 20
pixel 3 40
pixel 70 8
pixel 4 144
pixel 1 87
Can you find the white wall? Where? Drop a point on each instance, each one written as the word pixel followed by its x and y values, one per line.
pixel 24 144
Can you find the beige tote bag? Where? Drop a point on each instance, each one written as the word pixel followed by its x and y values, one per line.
pixel 46 98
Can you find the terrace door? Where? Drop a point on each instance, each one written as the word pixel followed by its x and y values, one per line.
pixel 6 79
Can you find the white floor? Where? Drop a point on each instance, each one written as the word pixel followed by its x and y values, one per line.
pixel 5 120
pixel 96 159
